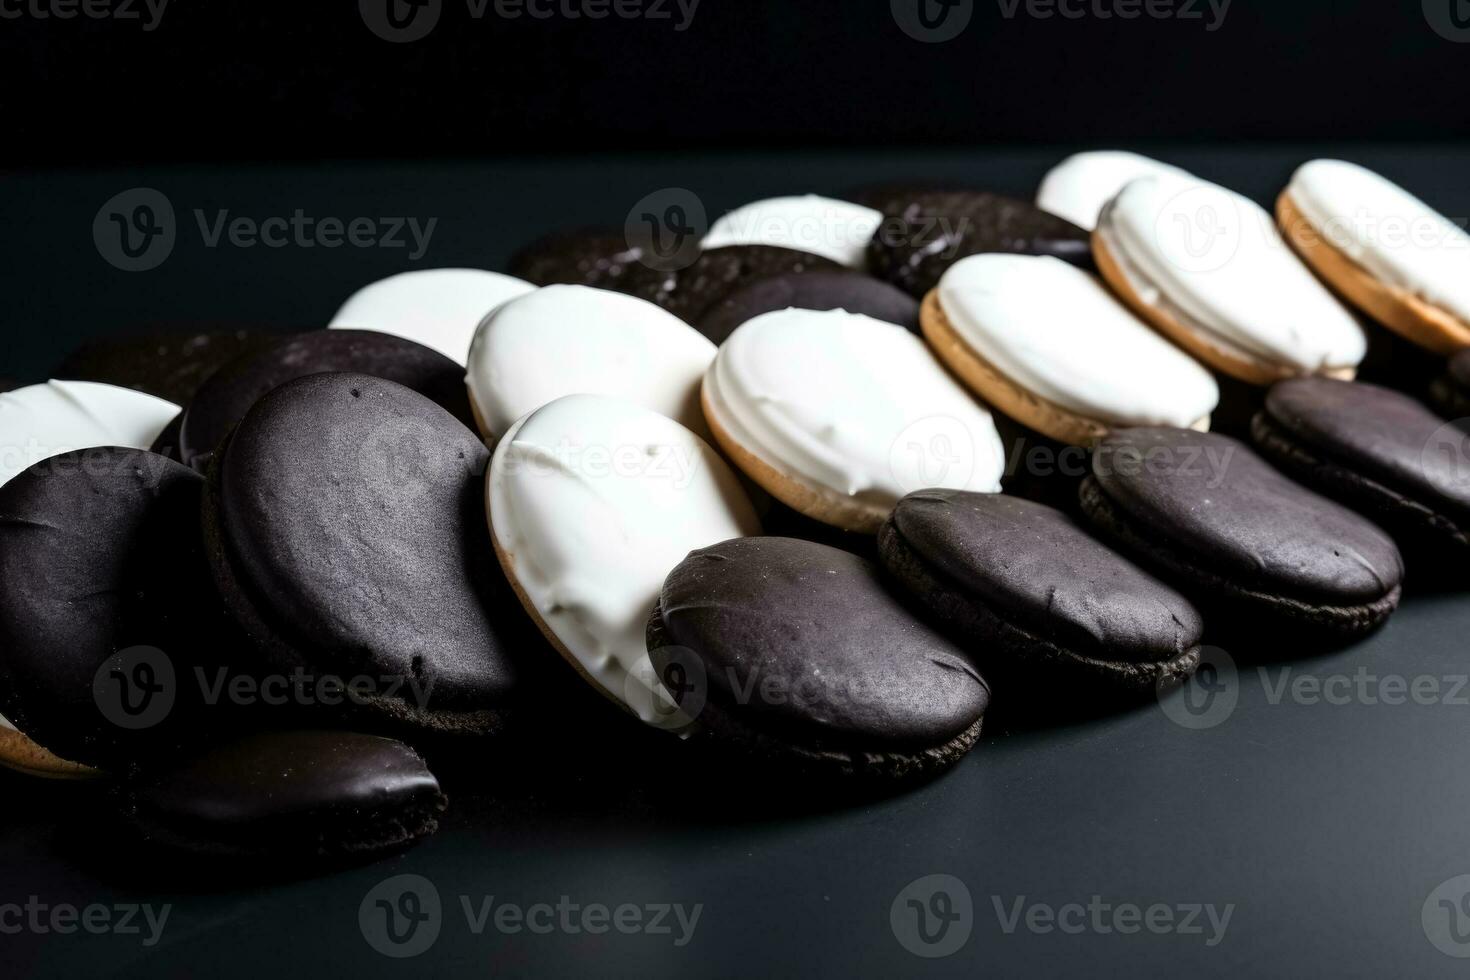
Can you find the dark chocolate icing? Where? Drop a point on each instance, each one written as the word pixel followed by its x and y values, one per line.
pixel 169 365
pixel 850 291
pixel 802 640
pixel 689 292
pixel 348 534
pixel 1034 567
pixel 1211 499
pixel 587 257
pixel 228 394
pixel 923 236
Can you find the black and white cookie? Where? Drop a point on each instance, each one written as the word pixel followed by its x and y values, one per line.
pixel 1034 596
pixel 797 651
pixel 1212 516
pixel 835 230
pixel 1376 450
pixel 849 291
pixel 439 308
pixel 290 795
pixel 105 605
pixel 922 237
pixel 347 537
pixel 224 399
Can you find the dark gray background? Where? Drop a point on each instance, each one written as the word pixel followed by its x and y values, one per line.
pixel 1327 826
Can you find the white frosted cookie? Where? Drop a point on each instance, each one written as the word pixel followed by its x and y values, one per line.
pixel 839 415
pixel 58 417
pixel 1209 270
pixel 1048 344
pixel 569 340
pixel 837 230
pixel 592 502
pixel 1080 186
pixel 1384 249
pixel 439 308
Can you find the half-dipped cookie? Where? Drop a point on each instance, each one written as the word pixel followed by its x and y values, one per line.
pixel 569 340
pixel 835 230
pixel 1207 268
pixel 1379 451
pixel 1212 517
pixel 347 537
pixel 592 500
pixel 304 795
pixel 105 608
pixel 1048 345
pixel 797 652
pixel 439 308
pixel 41 421
pixel 1382 248
pixel 170 366
pixel 838 416
pixel 922 237
pixel 851 292
pixel 1034 597
pixel 691 291
pixel 224 399
pixel 1080 186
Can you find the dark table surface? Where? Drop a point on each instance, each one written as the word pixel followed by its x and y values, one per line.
pixel 1313 798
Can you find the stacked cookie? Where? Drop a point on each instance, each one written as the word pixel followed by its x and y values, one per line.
pixel 756 500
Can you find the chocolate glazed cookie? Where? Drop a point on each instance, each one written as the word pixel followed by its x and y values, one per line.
pixel 923 236
pixel 1035 597
pixel 1211 515
pixel 1378 451
pixel 228 394
pixel 690 292
pixel 346 533
pixel 818 290
pixel 171 366
pixel 600 257
pixel 794 651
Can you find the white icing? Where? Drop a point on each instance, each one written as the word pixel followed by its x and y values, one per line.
pixel 439 308
pixel 852 406
pixel 58 417
pixel 1058 333
pixel 1390 232
pixel 567 340
pixel 1215 260
pixel 596 500
pixel 1078 188
pixel 5 723
pixel 837 230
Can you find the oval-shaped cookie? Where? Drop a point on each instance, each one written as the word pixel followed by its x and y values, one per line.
pixel 230 392
pixel 851 292
pixel 1388 252
pixel 1376 450
pixel 569 340
pixel 1216 519
pixel 1208 269
pixel 1048 345
pixel 833 229
pixel 838 416
pixel 592 501
pixel 171 366
pixel 347 537
pixel 793 650
pixel 1034 597
pixel 1080 186
pixel 439 308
